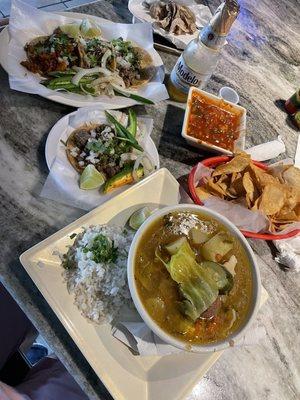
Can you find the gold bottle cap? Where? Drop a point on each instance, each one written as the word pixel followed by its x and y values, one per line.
pixel 224 17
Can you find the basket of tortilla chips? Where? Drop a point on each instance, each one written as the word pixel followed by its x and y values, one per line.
pixel 264 202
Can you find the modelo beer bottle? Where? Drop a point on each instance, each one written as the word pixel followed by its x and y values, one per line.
pixel 198 61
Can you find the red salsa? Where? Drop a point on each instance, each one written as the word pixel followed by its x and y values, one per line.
pixel 213 121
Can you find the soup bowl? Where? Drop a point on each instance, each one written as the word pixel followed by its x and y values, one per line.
pixel 152 324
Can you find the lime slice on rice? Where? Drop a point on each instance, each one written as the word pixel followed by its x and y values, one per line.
pixel 91 178
pixel 139 217
pixel 72 30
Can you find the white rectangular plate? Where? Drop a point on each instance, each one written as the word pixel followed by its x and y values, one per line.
pixel 126 376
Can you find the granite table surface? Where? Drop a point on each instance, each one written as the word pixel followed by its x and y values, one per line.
pixel 261 61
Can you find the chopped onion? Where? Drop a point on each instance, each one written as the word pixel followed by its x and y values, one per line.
pixel 103 79
pixel 144 160
pixel 118 81
pixel 127 157
pixel 88 71
pixel 105 56
pixel 110 91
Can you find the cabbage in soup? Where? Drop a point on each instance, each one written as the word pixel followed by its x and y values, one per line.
pixel 193 277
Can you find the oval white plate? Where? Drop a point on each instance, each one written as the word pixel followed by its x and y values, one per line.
pixel 59 132
pixel 72 99
pixel 68 182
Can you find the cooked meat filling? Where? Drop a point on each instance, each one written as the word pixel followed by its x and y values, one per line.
pixel 172 17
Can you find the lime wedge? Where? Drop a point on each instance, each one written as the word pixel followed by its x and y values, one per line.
pixel 91 178
pixel 72 30
pixel 139 217
pixel 89 30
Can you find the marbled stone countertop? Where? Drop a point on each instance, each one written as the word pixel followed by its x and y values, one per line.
pixel 261 61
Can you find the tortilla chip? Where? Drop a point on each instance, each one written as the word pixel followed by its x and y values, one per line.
pixel 214 188
pixel 236 164
pixel 291 176
pixel 236 188
pixel 202 193
pixel 289 217
pixel 251 192
pixel 224 183
pixel 292 197
pixel 297 209
pixel 223 180
pixel 278 169
pixel 234 176
pixel 276 227
pixel 272 199
pixel 262 177
pixel 256 204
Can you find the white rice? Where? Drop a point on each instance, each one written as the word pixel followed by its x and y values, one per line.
pixel 100 289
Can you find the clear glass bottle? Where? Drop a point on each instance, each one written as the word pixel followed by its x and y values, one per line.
pixel 198 61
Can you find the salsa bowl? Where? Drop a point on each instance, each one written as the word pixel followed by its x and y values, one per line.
pixel 214 105
pixel 184 340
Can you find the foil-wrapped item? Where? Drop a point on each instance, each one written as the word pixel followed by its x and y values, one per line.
pixel 224 17
pixel 214 34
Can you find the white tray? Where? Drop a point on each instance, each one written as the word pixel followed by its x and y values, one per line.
pixel 126 376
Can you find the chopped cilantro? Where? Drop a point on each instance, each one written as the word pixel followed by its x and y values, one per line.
pixel 96 147
pixel 103 249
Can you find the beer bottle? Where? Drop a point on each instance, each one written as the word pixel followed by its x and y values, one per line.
pixel 198 61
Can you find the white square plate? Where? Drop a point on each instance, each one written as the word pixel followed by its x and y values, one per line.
pixel 126 376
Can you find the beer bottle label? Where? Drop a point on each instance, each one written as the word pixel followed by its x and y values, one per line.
pixel 183 77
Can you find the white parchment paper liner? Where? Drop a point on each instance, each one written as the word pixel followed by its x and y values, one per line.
pixel 202 13
pixel 138 337
pixel 27 22
pixel 62 183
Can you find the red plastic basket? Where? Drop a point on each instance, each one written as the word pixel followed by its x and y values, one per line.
pixel 214 162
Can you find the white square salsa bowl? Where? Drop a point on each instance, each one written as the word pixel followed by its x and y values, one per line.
pixel 239 143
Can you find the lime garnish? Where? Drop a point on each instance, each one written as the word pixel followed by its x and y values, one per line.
pixel 89 30
pixel 91 178
pixel 72 30
pixel 139 217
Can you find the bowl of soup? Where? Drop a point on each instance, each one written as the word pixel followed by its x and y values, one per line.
pixel 193 278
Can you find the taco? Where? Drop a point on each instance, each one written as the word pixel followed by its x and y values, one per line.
pixel 146 68
pixel 46 54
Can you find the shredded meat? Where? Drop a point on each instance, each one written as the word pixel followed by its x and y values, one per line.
pixel 212 311
pixel 111 171
pixel 174 18
pixel 81 138
pixel 128 75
